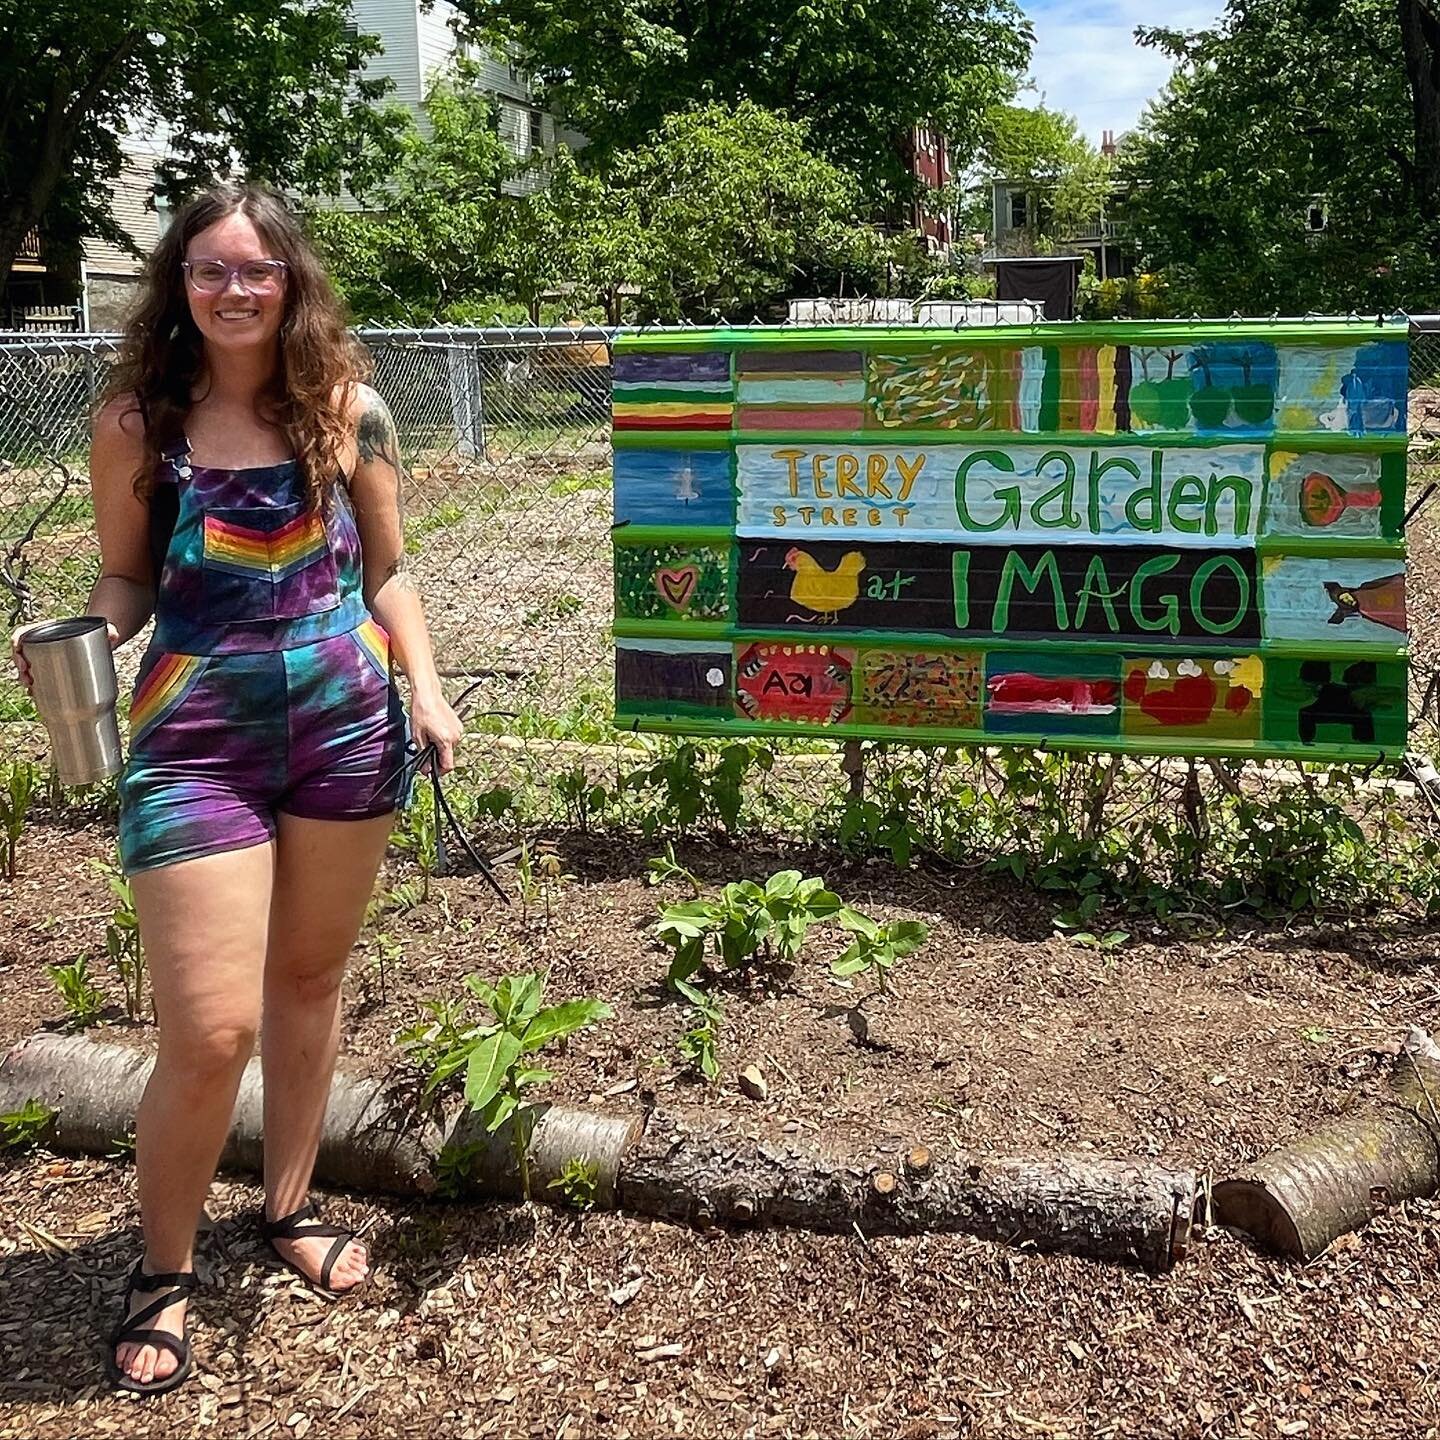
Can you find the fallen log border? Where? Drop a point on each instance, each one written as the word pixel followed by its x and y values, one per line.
pixel 1302 1197
pixel 376 1139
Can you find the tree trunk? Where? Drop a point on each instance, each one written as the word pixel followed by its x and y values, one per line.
pixel 1420 41
pixel 1300 1199
pixel 1121 1210
pixel 375 1139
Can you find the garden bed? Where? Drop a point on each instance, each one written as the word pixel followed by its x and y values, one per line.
pixel 1202 1051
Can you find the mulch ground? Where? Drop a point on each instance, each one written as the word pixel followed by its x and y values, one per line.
pixel 497 1320
pixel 525 1321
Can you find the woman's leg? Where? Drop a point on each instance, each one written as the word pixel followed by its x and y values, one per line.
pixel 204 926
pixel 324 874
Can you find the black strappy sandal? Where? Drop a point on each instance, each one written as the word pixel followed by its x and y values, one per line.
pixel 305 1224
pixel 133 1331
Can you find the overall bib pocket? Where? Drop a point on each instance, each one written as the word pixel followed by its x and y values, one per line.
pixel 267 563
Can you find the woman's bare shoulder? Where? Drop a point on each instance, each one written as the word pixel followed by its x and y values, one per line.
pixel 358 399
pixel 120 419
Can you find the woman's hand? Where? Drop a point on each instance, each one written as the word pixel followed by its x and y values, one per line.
pixel 433 721
pixel 17 650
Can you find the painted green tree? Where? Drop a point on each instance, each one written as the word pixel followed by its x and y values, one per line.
pixel 1283 168
pixel 861 74
pixel 264 88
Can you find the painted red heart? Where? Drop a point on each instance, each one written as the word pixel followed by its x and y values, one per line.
pixel 678 585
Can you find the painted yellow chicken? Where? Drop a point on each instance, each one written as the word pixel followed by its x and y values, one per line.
pixel 826 592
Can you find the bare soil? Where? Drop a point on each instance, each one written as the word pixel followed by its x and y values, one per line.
pixel 492 1320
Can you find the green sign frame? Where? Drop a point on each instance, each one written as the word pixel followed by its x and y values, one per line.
pixel 1174 538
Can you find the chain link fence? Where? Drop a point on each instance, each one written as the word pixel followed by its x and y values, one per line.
pixel 508 512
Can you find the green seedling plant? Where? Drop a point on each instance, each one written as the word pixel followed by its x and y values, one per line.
pixel 583 799
pixel 122 941
pixel 529 885
pixel 440 1046
pixel 455 1166
pixel 495 1052
pixel 1076 923
pixel 418 836
pixel 83 1002
pixel 698 1043
pixel 875 948
pixel 553 876
pixel 498 1072
pixel 387 951
pixel 15 797
pixel 664 868
pixel 19 1129
pixel 746 921
pixel 579 1182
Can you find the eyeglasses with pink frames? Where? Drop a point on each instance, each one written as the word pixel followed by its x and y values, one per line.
pixel 257 277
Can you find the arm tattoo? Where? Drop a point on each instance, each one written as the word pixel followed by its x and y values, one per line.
pixel 378 442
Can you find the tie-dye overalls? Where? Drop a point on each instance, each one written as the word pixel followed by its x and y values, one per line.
pixel 267 686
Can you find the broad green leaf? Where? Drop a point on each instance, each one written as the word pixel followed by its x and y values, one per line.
pixel 498 1111
pixel 688 959
pixel 489 1064
pixel 857 923
pixel 906 936
pixel 848 964
pixel 480 990
pixel 697 997
pixel 517 998
pixel 824 904
pixel 783 884
pixel 563 1019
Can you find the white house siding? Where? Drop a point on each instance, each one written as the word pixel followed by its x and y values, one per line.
pixel 397 24
pixel 111 272
pixel 435 40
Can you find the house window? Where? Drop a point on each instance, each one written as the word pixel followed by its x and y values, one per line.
pixel 537 133
pixel 1019 210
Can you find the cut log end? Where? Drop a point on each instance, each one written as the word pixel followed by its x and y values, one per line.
pixel 1250 1206
pixel 919 1161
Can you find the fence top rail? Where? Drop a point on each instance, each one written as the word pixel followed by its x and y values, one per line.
pixel 72 342
pixel 537 336
pixel 546 336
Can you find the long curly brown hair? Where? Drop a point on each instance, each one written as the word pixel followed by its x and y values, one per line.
pixel 161 367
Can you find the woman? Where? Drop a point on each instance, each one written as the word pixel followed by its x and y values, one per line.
pixel 247 492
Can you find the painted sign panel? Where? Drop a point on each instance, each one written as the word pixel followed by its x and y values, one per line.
pixel 1168 538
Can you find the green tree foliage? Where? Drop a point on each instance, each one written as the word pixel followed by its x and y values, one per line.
pixel 721 213
pixel 863 73
pixel 1285 104
pixel 1043 152
pixel 441 237
pixel 266 88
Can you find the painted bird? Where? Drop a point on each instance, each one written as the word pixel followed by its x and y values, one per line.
pixel 825 592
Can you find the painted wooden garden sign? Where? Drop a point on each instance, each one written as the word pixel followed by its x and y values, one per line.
pixel 1177 538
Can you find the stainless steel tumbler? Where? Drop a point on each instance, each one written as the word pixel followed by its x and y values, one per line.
pixel 75 691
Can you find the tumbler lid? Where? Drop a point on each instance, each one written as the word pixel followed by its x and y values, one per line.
pixel 53 631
